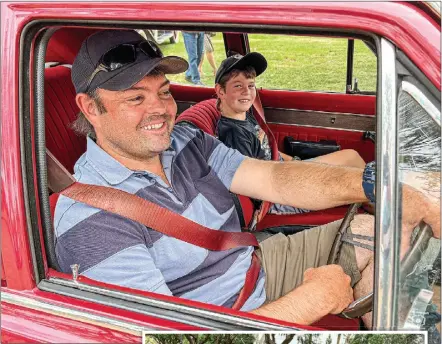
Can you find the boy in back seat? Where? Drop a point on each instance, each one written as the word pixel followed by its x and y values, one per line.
pixel 238 128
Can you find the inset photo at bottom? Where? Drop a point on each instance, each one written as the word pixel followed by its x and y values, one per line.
pixel 256 337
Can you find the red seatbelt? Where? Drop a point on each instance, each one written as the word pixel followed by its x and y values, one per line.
pixel 265 206
pixel 156 217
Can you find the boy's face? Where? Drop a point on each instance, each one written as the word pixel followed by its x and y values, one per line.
pixel 239 94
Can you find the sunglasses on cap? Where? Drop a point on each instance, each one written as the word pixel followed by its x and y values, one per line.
pixel 123 55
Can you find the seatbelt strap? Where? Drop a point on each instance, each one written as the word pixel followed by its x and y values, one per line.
pixel 257 105
pixel 264 207
pixel 59 177
pixel 156 217
pixel 250 282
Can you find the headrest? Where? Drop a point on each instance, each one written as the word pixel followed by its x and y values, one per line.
pixel 65 43
pixel 204 115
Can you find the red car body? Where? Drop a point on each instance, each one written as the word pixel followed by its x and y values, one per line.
pixel 31 314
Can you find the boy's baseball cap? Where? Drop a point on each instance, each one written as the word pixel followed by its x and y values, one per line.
pixel 98 44
pixel 255 60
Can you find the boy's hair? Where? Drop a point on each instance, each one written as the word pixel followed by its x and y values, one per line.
pixel 249 72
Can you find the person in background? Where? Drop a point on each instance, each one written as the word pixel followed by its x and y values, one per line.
pixel 194 43
pixel 209 52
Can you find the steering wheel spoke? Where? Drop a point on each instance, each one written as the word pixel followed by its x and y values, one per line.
pixel 420 243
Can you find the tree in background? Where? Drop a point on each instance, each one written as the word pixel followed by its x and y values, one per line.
pixel 393 338
pixel 271 338
pixel 283 338
pixel 329 340
pixel 310 339
pixel 210 338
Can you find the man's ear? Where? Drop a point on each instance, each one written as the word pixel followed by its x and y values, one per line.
pixel 87 106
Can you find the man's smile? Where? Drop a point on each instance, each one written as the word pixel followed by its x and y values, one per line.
pixel 153 126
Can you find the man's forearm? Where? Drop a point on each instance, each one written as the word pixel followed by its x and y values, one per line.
pixel 316 186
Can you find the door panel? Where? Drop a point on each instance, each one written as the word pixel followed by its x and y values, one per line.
pixel 329 102
pixel 315 116
pixel 345 138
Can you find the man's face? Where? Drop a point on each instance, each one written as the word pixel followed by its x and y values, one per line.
pixel 239 93
pixel 138 121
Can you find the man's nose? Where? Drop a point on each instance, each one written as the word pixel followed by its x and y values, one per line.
pixel 156 105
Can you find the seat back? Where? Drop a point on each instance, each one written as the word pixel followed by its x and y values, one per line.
pixel 60 111
pixel 204 115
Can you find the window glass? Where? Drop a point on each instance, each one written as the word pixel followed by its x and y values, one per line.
pixel 419 162
pixel 312 63
pixel 173 44
pixel 364 67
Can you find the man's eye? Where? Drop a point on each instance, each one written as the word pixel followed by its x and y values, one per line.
pixel 137 99
pixel 252 86
pixel 166 93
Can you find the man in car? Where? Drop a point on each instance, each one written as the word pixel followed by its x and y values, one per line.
pixel 128 113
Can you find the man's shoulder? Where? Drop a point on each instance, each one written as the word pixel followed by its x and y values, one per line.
pixel 183 131
pixel 182 135
pixel 69 212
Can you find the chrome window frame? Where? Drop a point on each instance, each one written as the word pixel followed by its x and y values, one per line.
pixel 385 308
pixel 388 202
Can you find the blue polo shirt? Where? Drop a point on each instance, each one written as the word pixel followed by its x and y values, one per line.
pixel 116 250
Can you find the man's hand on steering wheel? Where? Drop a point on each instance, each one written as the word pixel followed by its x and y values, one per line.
pixel 332 285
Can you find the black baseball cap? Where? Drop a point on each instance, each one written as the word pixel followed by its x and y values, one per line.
pixel 255 60
pixel 98 44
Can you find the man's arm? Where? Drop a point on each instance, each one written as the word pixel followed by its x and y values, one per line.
pixel 306 185
pixel 315 186
pixel 325 290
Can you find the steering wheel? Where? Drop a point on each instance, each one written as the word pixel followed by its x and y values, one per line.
pixel 420 243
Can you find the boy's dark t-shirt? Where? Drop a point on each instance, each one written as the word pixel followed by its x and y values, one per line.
pixel 243 136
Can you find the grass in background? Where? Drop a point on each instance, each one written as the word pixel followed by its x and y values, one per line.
pixel 294 62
